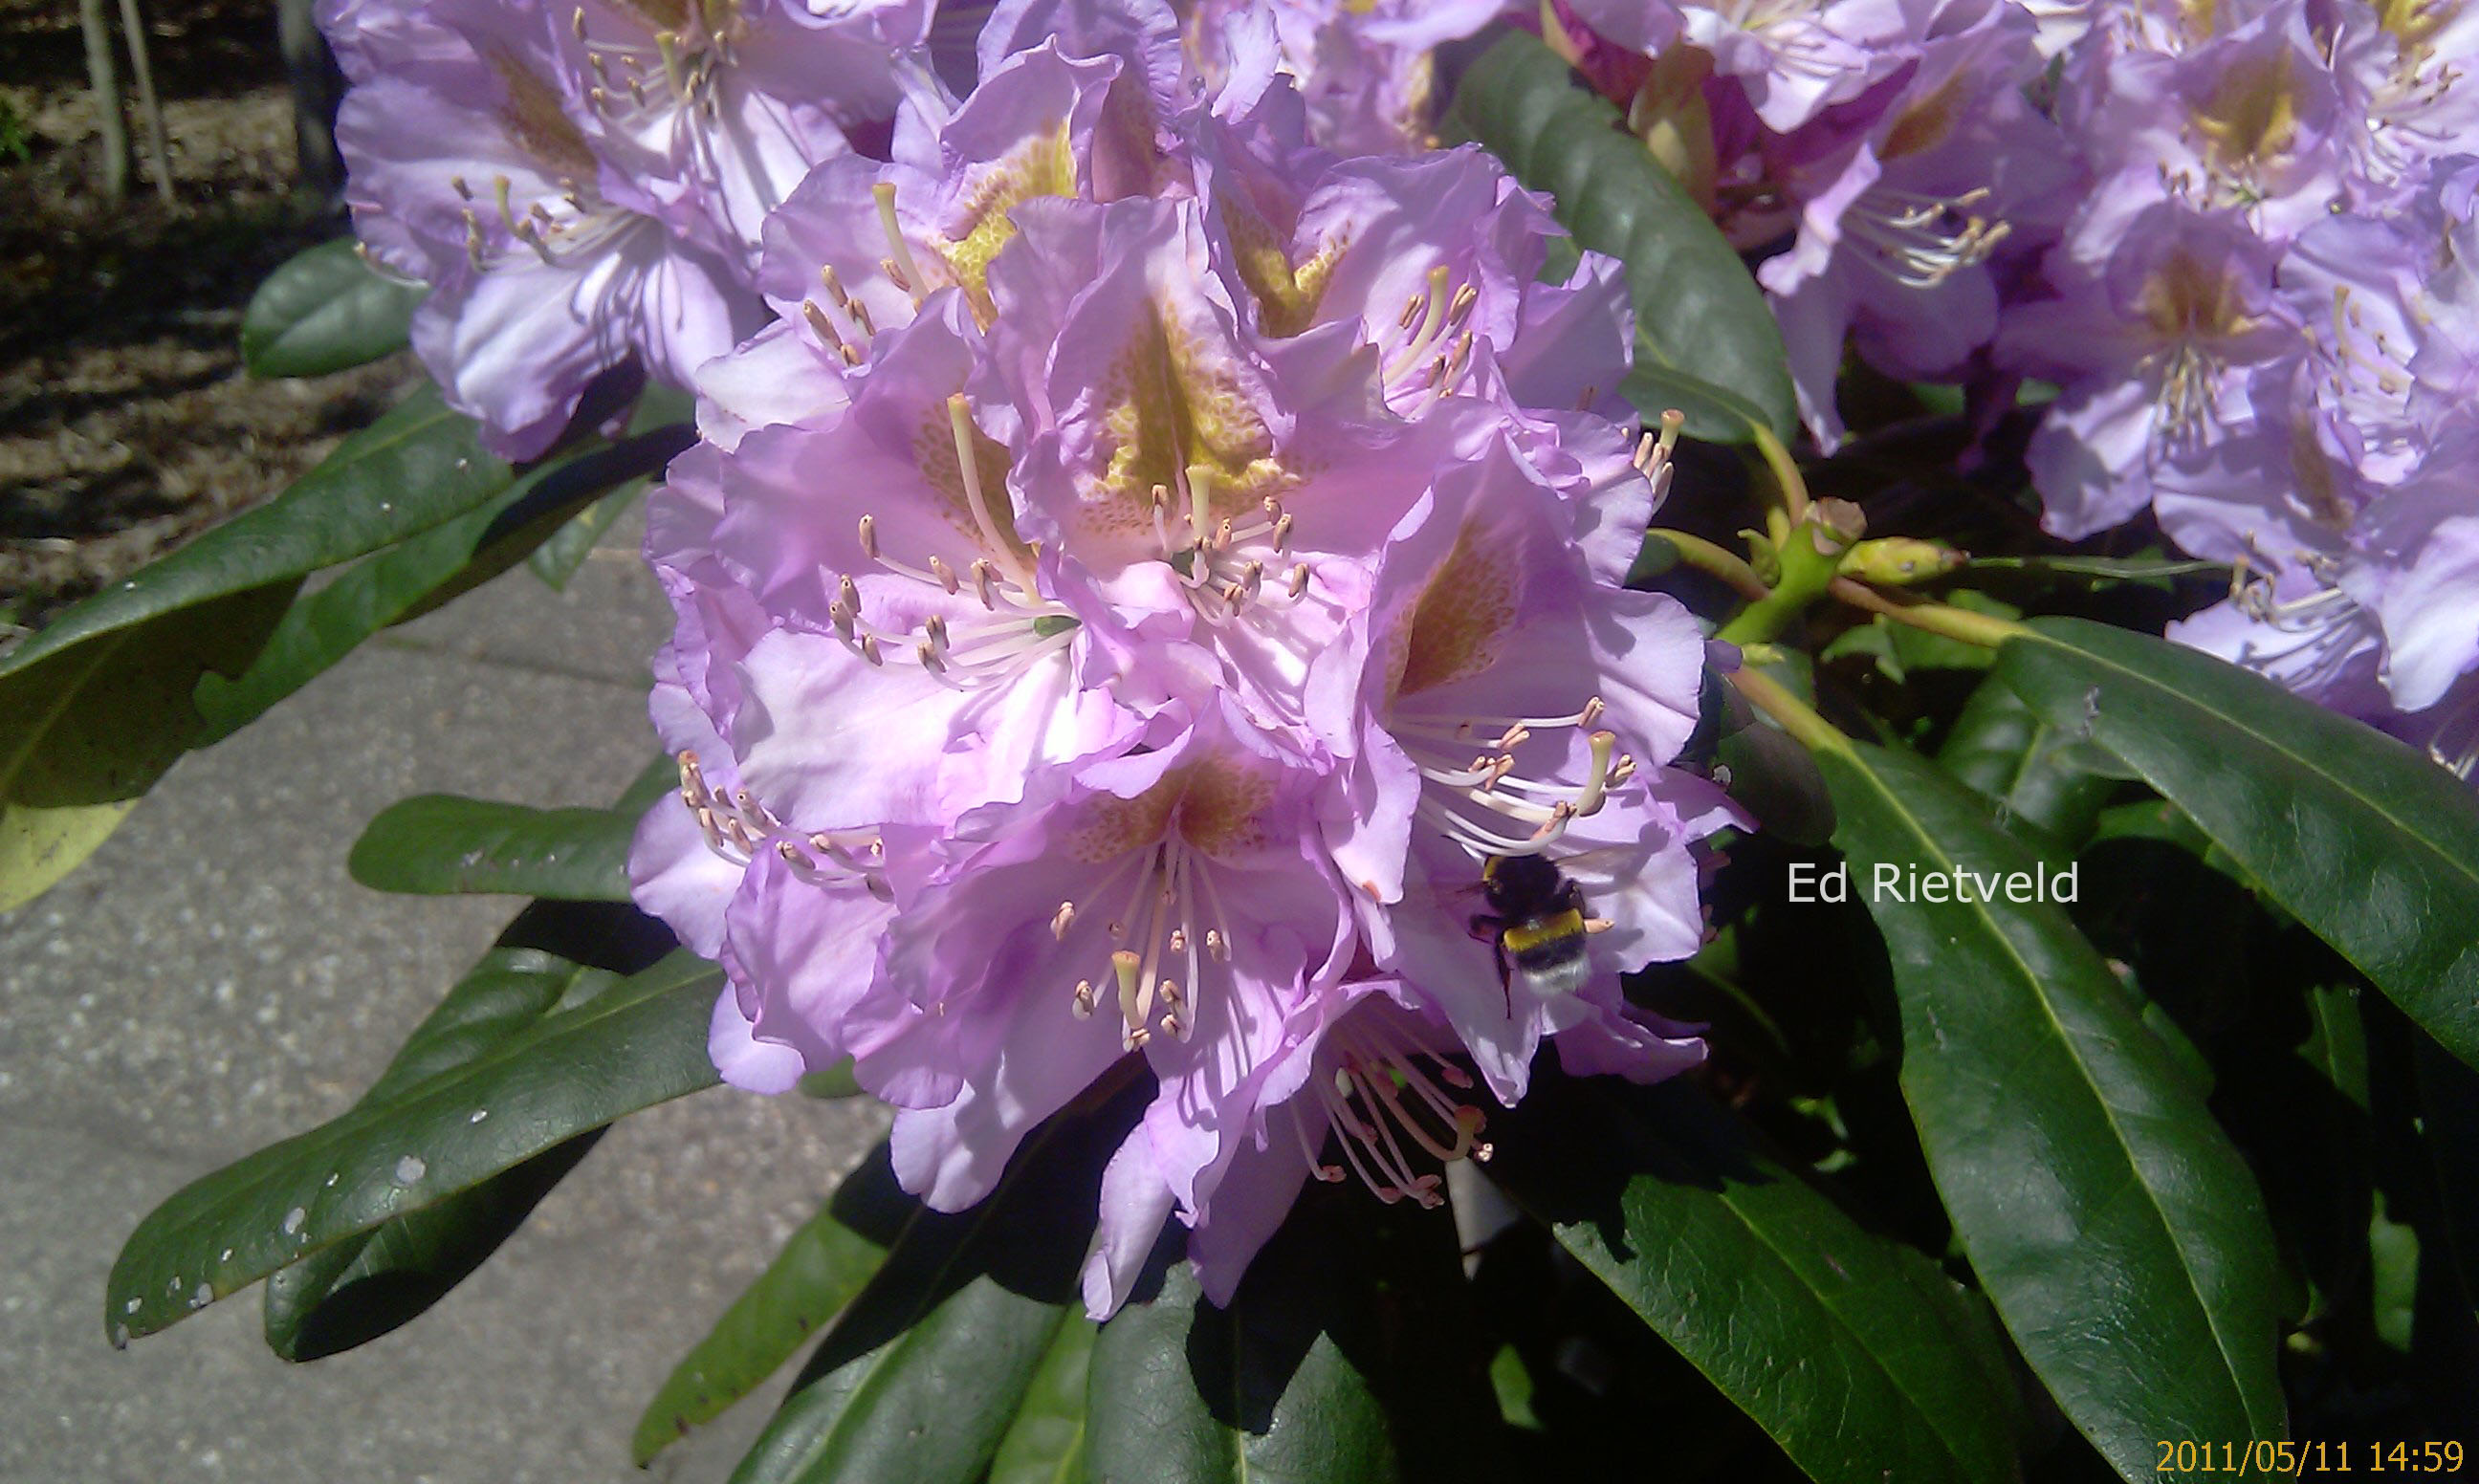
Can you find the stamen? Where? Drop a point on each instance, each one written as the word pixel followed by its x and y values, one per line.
pixel 1062 919
pixel 959 421
pixel 1588 802
pixel 1126 964
pixel 1434 302
pixel 906 272
pixel 1653 454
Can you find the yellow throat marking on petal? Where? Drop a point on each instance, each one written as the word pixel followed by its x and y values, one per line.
pixel 1468 602
pixel 2187 300
pixel 1174 421
pixel 1219 806
pixel 534 119
pixel 2313 475
pixel 1214 804
pixel 1929 122
pixel 661 14
pixel 1045 166
pixel 2252 116
pixel 1286 296
pixel 1114 826
pixel 2415 23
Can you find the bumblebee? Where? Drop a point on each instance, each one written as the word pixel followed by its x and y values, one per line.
pixel 1536 923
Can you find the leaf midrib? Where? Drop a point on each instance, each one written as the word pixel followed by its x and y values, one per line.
pixel 252 1192
pixel 2108 1112
pixel 2334 780
pixel 1842 1322
pixel 51 714
pixel 48 641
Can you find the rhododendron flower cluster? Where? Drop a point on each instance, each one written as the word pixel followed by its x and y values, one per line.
pixel 2234 237
pixel 1147 569
pixel 2257 318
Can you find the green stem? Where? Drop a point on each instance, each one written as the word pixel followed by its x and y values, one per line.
pixel 1785 471
pixel 1982 628
pixel 1795 715
pixel 1806 574
pixel 1715 561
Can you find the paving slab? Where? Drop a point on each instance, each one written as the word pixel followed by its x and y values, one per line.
pixel 211 980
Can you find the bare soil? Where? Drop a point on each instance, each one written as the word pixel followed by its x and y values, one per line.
pixel 127 423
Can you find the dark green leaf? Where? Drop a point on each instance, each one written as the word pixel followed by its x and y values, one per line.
pixel 1705 341
pixel 929 1405
pixel 1851 1351
pixel 921 1372
pixel 324 311
pixel 368 1284
pixel 1181 1393
pixel 1767 773
pixel 1045 1444
pixel 375 1283
pixel 639 1042
pixel 1897 650
pixel 433 844
pixel 417 468
pixel 85 732
pixel 2001 747
pixel 809 1282
pixel 1348 1353
pixel 557 560
pixel 2371 846
pixel 419 575
pixel 2105 1213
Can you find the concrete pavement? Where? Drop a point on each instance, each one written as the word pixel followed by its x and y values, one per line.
pixel 211 980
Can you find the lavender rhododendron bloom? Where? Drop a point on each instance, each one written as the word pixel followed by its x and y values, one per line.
pixel 2260 320
pixel 1125 603
pixel 579 185
pixel 1888 158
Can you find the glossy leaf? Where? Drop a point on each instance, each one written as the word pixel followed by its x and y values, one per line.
pixel 434 844
pixel 2371 846
pixel 1767 772
pixel 324 311
pixel 556 560
pixel 636 1043
pixel 1168 1405
pixel 921 1372
pixel 368 1284
pixel 1349 1353
pixel 808 1283
pixel 377 1282
pixel 1851 1351
pixel 2024 766
pixel 414 469
pixel 2105 1213
pixel 1705 340
pixel 1045 1444
pixel 85 732
pixel 412 579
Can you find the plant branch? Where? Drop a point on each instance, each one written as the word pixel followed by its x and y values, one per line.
pixel 1785 472
pixel 1715 561
pixel 1794 716
pixel 1982 628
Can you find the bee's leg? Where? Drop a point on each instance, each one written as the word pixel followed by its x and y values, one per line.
pixel 1492 930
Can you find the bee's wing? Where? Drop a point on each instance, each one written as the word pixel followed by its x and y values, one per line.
pixel 1605 861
